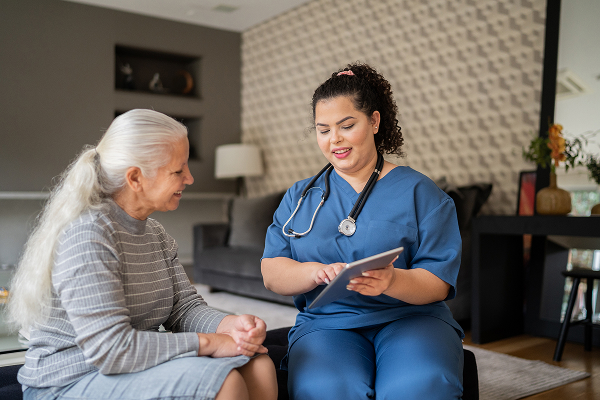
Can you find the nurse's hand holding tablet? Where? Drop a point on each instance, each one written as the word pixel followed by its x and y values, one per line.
pixel 375 281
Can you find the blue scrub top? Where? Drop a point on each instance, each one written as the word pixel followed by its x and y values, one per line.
pixel 405 208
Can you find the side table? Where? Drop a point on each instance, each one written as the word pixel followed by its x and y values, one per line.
pixel 507 296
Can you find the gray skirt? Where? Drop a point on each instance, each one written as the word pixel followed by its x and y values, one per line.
pixel 198 378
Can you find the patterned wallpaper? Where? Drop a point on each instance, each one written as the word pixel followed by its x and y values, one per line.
pixel 466 76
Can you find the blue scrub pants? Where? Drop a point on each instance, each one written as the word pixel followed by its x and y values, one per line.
pixel 417 357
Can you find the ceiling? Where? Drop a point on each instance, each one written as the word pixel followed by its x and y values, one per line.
pixel 231 15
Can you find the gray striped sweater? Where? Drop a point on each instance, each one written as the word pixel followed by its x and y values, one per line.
pixel 115 281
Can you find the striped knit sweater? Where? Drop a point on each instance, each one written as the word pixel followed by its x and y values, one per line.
pixel 115 281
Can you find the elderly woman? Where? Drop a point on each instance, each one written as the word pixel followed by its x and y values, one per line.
pixel 392 336
pixel 99 277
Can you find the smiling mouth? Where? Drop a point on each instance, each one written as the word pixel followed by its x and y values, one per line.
pixel 178 193
pixel 342 151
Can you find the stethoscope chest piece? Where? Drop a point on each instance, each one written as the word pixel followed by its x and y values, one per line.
pixel 347 227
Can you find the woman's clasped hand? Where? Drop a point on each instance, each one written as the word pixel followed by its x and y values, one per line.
pixel 236 335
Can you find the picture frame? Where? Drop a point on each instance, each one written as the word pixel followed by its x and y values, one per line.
pixel 526 193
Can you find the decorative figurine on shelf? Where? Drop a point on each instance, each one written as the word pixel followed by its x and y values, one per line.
pixel 127 77
pixel 188 83
pixel 156 85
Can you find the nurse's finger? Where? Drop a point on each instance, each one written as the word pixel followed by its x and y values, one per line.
pixel 381 273
pixel 338 267
pixel 359 280
pixel 321 277
pixel 331 274
pixel 362 288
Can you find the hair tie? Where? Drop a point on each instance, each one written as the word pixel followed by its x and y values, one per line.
pixel 349 72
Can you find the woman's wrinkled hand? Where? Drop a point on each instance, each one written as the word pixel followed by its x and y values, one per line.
pixel 247 331
pixel 219 345
pixel 374 282
pixel 327 274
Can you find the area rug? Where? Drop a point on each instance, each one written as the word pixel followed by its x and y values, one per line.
pixel 505 377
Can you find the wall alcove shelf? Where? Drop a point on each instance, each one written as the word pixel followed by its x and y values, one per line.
pixel 150 71
pixel 160 81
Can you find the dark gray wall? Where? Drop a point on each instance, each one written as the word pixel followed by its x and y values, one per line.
pixel 57 86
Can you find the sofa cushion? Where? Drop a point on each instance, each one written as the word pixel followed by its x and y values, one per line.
pixel 468 199
pixel 250 219
pixel 243 261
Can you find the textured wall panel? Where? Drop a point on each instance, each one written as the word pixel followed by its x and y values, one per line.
pixel 466 76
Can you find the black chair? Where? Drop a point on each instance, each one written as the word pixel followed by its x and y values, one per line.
pixel 578 274
pixel 10 388
pixel 277 344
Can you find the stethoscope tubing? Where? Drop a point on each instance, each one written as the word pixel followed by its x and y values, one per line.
pixel 308 187
pixel 362 199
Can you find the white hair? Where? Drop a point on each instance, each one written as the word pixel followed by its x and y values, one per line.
pixel 137 138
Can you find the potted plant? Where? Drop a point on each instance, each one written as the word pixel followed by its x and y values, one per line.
pixel 550 151
pixel 592 164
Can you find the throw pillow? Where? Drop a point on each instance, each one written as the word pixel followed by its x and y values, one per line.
pixel 250 219
pixel 468 199
pixel 473 198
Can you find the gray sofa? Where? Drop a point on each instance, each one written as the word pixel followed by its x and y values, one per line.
pixel 227 256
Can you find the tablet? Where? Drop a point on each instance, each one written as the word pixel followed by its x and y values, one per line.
pixel 337 287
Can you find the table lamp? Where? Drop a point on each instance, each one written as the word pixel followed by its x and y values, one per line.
pixel 238 161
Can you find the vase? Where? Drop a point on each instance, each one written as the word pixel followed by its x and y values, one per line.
pixel 596 210
pixel 553 200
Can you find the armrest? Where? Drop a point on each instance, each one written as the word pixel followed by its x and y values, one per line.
pixel 210 235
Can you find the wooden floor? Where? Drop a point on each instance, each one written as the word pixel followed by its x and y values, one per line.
pixel 574 357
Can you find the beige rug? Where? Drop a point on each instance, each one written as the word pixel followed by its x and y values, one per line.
pixel 504 377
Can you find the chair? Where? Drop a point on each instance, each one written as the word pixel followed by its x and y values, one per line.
pixel 578 274
pixel 10 388
pixel 277 343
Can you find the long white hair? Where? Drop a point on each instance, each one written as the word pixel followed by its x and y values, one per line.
pixel 138 138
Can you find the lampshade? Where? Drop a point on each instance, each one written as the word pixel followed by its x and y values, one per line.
pixel 235 160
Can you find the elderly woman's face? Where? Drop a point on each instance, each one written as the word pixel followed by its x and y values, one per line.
pixel 163 192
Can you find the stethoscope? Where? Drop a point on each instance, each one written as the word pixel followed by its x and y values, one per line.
pixel 348 225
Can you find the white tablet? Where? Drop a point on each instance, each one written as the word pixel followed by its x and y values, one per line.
pixel 337 287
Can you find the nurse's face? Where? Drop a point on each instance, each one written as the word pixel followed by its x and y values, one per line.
pixel 346 135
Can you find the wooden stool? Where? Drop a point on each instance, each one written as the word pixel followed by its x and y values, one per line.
pixel 578 274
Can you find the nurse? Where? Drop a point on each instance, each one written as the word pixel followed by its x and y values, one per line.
pixel 392 336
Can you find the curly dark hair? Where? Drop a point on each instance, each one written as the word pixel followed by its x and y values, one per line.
pixel 370 92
